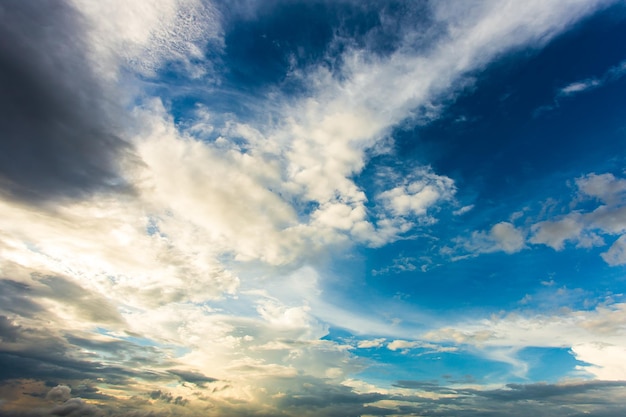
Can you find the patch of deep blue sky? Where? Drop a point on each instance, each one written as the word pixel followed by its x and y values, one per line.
pixel 506 156
pixel 508 142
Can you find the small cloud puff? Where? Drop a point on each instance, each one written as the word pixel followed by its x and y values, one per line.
pixel 369 344
pixel 416 197
pixel 502 237
pixel 404 346
pixel 616 255
pixel 59 393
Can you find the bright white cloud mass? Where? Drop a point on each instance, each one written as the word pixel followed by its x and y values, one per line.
pixel 320 208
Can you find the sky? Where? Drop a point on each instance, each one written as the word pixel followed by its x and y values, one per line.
pixel 281 208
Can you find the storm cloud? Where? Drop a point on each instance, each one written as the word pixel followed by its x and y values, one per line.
pixel 59 128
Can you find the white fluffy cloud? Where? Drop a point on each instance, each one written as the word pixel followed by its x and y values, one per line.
pixel 502 236
pixel 556 233
pixel 586 228
pixel 607 361
pixel 604 187
pixel 416 197
pixel 616 255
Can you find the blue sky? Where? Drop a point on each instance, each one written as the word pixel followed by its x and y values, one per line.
pixel 324 208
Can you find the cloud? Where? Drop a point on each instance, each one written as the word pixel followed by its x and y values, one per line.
pixel 405 346
pixel 463 210
pixel 411 397
pixel 581 86
pixel 556 233
pixel 368 344
pixel 402 344
pixel 59 393
pixel 75 407
pixel 587 227
pixel 616 255
pixel 577 87
pixel 607 360
pixel 207 277
pixel 145 36
pixel 59 134
pixel 536 391
pixel 502 236
pixel 193 377
pixel 310 396
pixel 501 338
pixel 605 187
pixel 414 198
pixel 168 398
pixel 402 264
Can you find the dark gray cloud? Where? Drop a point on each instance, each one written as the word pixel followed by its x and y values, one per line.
pixel 76 407
pixel 192 377
pixel 73 407
pixel 168 397
pixel 59 393
pixel 14 298
pixel 9 331
pixel 37 344
pixel 25 300
pixel 45 354
pixel 604 398
pixel 539 391
pixel 421 385
pixel 56 123
pixel 312 396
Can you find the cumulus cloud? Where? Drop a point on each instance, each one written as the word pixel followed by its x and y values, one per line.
pixel 556 233
pixel 368 344
pixel 75 407
pixel 502 236
pixel 606 360
pixel 583 227
pixel 59 393
pixel 416 197
pixel 587 228
pixel 605 187
pixel 616 255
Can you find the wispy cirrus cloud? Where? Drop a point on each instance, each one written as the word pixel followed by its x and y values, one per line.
pixel 582 86
pixel 611 75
